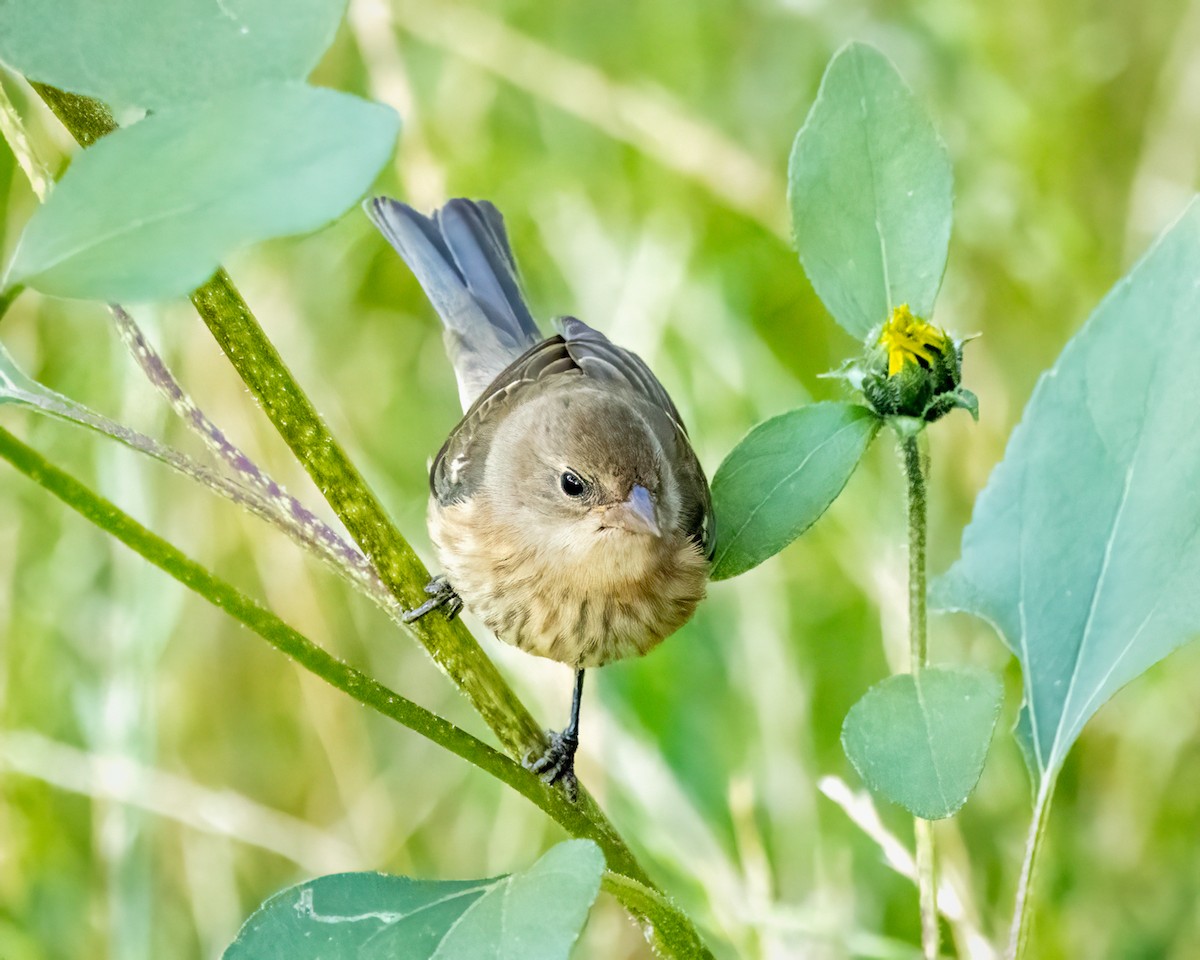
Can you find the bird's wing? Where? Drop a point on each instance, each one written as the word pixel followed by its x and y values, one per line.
pixel 579 351
pixel 462 259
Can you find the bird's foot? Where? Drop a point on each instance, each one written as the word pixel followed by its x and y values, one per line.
pixel 557 763
pixel 441 594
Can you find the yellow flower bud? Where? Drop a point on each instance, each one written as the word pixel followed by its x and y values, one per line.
pixel 909 339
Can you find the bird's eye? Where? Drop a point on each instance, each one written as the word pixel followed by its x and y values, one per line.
pixel 572 485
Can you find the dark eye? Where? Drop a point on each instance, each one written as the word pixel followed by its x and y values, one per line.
pixel 572 485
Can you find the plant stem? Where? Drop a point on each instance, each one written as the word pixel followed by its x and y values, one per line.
pixel 918 652
pixel 254 357
pixel 305 432
pixel 302 428
pixel 677 931
pixel 670 937
pixel 1022 912
pixel 914 473
pixel 262 621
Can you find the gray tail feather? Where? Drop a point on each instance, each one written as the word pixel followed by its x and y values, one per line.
pixel 461 257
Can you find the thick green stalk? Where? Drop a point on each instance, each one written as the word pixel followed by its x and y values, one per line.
pixel 677 929
pixel 305 432
pixel 294 417
pixel 918 651
pixel 671 938
pixel 266 624
pixel 1023 912
pixel 291 412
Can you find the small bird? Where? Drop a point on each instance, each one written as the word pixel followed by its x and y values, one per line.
pixel 567 508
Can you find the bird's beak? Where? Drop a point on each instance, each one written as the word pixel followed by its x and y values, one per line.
pixel 636 514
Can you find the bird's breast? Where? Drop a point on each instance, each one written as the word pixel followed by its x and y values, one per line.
pixel 614 597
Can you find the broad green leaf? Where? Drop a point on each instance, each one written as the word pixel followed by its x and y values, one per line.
pixel 871 193
pixel 150 210
pixel 533 915
pixel 921 742
pixel 1084 549
pixel 785 473
pixel 155 53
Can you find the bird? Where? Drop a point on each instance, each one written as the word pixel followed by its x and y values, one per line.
pixel 567 508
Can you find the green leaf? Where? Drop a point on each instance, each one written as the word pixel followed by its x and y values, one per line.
pixel 149 211
pixel 921 742
pixel 533 915
pixel 155 53
pixel 785 473
pixel 1084 549
pixel 871 193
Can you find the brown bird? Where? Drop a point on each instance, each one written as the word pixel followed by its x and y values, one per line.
pixel 568 509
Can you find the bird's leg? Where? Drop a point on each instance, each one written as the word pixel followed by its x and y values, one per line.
pixel 441 594
pixel 557 763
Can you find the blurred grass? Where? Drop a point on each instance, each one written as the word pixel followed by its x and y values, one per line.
pixel 1074 141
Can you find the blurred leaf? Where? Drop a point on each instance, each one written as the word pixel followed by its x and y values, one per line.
pixel 155 53
pixel 1084 549
pixel 870 188
pixel 533 915
pixel 148 212
pixel 922 742
pixel 781 477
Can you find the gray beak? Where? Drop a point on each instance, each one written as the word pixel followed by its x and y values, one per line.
pixel 637 513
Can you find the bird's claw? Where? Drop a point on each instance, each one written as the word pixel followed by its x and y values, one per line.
pixel 441 594
pixel 556 764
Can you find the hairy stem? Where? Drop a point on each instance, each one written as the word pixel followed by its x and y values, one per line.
pixel 302 428
pixel 254 357
pixel 1023 911
pixel 914 474
pixel 671 938
pixel 344 488
pixel 918 652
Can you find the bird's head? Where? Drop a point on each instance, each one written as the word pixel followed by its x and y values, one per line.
pixel 588 465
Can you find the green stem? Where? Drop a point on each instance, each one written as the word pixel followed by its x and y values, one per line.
pixel 294 417
pixel 110 518
pixel 918 651
pixel 672 938
pixel 642 900
pixel 914 473
pixel 305 432
pixel 291 412
pixel 1023 912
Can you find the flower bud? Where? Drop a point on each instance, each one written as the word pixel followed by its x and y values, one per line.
pixel 912 369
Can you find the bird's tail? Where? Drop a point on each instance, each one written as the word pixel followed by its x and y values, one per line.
pixel 461 257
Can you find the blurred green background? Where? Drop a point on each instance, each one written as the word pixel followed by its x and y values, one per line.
pixel 162 770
